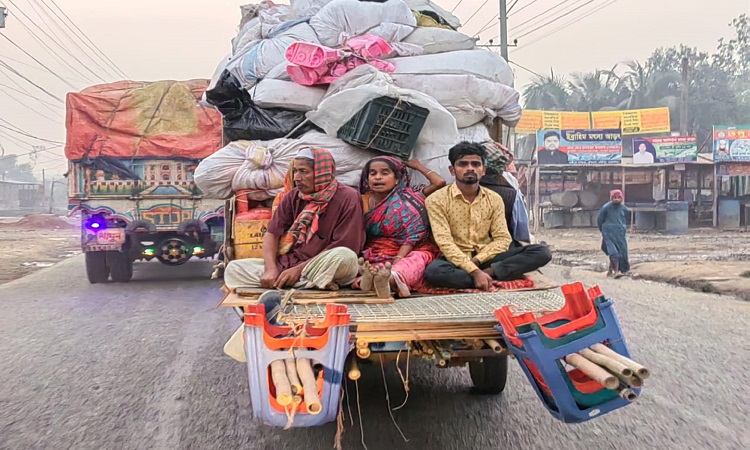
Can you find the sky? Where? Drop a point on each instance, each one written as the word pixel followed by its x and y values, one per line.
pixel 171 39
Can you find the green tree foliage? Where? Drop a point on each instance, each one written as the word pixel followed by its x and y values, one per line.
pixel 719 89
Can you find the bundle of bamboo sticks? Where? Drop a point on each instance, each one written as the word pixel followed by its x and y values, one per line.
pixel 294 380
pixel 610 369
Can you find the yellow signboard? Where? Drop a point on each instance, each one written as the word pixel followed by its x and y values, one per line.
pixel 606 120
pixel 636 121
pixel 646 121
pixel 531 122
pixel 534 120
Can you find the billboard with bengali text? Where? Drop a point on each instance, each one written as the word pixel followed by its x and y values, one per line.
pixel 579 147
pixel 731 143
pixel 668 149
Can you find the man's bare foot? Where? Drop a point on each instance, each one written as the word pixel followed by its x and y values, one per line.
pixel 366 283
pixel 332 287
pixel 382 281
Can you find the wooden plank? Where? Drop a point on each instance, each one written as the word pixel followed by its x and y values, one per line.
pixel 232 299
pixel 307 293
pixel 344 300
pixel 425 335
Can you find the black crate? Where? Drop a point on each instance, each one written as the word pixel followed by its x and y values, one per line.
pixel 385 125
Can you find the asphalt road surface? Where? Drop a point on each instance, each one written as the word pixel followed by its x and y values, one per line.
pixel 140 366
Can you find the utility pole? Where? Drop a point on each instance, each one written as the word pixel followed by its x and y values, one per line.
pixel 503 15
pixel 504 29
pixel 3 15
pixel 684 97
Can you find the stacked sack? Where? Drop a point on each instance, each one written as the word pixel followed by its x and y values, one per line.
pixel 298 73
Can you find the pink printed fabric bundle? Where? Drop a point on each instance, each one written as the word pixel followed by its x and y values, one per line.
pixel 312 64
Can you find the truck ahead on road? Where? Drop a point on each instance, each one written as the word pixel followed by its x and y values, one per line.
pixel 132 149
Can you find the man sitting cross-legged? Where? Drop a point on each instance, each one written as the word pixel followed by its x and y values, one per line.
pixel 469 225
pixel 314 236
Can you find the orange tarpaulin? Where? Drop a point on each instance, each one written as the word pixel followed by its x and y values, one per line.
pixel 131 119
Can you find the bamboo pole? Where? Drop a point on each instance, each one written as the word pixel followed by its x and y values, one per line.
pixel 610 364
pixel 310 387
pixel 639 370
pixel 354 372
pixel 627 394
pixel 291 373
pixel 281 382
pixel 494 345
pixel 593 371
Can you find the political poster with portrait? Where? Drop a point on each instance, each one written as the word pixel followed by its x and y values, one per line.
pixel 732 143
pixel 668 149
pixel 579 147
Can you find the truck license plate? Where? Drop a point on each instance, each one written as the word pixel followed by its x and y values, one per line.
pixel 111 236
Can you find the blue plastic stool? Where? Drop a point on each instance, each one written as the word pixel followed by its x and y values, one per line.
pixel 332 338
pixel 562 403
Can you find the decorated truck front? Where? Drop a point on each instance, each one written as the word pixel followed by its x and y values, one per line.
pixel 133 148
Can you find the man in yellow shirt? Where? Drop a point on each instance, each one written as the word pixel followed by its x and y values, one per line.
pixel 469 225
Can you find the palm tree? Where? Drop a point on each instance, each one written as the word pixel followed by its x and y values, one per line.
pixel 593 91
pixel 547 93
pixel 646 88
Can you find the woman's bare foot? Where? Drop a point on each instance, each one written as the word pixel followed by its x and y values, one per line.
pixel 382 281
pixel 397 285
pixel 366 284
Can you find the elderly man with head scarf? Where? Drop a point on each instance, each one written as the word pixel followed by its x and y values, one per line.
pixel 613 224
pixel 315 234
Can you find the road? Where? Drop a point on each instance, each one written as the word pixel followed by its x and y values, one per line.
pixel 140 366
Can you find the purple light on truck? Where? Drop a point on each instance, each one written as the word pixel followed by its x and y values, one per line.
pixel 96 223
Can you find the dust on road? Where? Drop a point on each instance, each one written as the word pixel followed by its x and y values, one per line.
pixel 707 260
pixel 35 242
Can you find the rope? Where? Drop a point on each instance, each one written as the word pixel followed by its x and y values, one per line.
pixel 385 122
pixel 339 423
pixel 359 412
pixel 405 381
pixel 388 400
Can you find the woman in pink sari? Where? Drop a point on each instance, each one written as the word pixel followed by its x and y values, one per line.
pixel 398 247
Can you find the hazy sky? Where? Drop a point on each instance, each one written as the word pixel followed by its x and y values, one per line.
pixel 171 39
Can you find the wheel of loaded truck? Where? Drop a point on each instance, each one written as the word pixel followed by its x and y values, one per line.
pixel 97 270
pixel 120 266
pixel 489 374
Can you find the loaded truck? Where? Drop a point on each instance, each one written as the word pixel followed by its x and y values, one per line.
pixel 132 149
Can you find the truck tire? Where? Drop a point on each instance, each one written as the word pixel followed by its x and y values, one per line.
pixel 489 374
pixel 97 270
pixel 120 266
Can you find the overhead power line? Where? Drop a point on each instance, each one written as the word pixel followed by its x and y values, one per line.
pixel 9 126
pixel 491 23
pixel 49 21
pixel 524 68
pixel 19 74
pixel 457 5
pixel 55 74
pixel 568 24
pixel 93 46
pixel 538 18
pixel 555 19
pixel 54 53
pixel 523 7
pixel 26 105
pixel 476 12
pixel 46 149
pixel 85 66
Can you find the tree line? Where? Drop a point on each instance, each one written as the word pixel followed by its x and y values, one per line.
pixel 718 89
